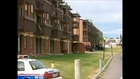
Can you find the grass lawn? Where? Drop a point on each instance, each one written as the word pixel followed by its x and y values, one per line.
pixel 65 63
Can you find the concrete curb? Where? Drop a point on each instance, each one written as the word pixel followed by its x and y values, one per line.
pixel 97 76
pixel 105 66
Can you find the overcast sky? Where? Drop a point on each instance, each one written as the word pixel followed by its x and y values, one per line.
pixel 106 15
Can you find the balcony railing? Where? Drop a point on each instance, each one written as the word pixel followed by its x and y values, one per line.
pixel 39 6
pixel 39 30
pixel 20 22
pixel 30 1
pixel 75 37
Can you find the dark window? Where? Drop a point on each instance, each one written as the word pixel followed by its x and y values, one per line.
pixel 26 12
pixel 55 44
pixel 21 66
pixel 47 44
pixel 31 42
pixel 43 43
pixel 25 41
pixel 32 15
pixel 19 11
pixel 37 65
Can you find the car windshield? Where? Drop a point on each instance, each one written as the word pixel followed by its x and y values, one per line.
pixel 37 65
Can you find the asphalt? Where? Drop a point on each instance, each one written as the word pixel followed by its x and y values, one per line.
pixel 114 70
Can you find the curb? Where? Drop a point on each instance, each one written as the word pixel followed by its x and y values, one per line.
pixel 105 66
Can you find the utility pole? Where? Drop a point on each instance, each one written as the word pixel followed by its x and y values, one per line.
pixel 111 50
pixel 104 51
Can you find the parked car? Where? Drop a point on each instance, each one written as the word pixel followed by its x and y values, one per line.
pixel 35 69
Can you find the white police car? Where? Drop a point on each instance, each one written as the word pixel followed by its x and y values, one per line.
pixel 34 69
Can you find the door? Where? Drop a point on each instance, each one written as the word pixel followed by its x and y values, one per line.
pixel 38 45
pixel 61 46
pixel 51 46
pixel 18 45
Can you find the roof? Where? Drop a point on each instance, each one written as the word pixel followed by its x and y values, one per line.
pixel 76 15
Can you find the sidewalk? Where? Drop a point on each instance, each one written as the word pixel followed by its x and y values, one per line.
pixel 114 70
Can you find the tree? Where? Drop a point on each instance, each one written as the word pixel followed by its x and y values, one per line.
pixel 100 38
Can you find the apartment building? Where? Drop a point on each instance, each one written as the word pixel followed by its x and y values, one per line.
pixel 87 36
pixel 77 45
pixel 44 27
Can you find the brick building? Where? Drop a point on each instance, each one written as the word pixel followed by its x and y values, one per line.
pixel 44 26
pixel 49 27
pixel 86 36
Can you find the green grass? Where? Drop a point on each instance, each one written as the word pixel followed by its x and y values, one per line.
pixel 65 63
pixel 116 49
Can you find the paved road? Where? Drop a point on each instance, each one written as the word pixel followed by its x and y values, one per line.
pixel 114 70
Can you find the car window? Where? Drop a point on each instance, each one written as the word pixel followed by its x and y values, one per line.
pixel 21 66
pixel 37 65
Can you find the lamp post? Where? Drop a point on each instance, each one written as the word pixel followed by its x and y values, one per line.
pixel 104 50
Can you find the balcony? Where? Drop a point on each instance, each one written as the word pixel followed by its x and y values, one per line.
pixel 55 26
pixel 59 13
pixel 76 25
pixel 48 6
pixel 85 28
pixel 29 25
pixel 20 1
pixel 56 32
pixel 75 37
pixel 54 14
pixel 39 8
pixel 67 7
pixel 39 30
pixel 85 38
pixel 65 31
pixel 46 28
pixel 66 19
pixel 20 23
pixel 76 22
pixel 66 36
pixel 30 1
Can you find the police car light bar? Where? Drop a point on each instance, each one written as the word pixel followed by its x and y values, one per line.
pixel 23 56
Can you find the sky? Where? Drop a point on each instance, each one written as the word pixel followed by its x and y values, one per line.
pixel 106 15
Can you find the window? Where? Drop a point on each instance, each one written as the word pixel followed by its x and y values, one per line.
pixel 21 66
pixel 18 45
pixel 32 11
pixel 26 10
pixel 26 13
pixel 55 44
pixel 32 15
pixel 68 27
pixel 47 44
pixel 55 21
pixel 19 11
pixel 25 41
pixel 37 65
pixel 31 42
pixel 44 18
pixel 43 43
pixel 48 16
pixel 61 26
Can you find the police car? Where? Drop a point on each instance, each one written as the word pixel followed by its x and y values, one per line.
pixel 34 69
